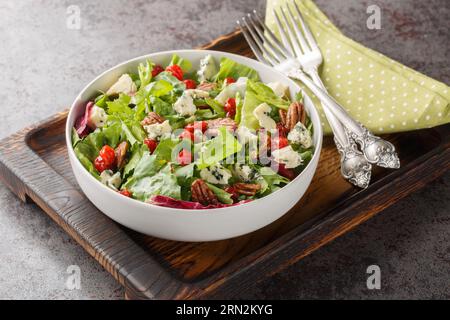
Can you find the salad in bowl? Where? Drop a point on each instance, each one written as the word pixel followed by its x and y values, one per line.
pixel 209 137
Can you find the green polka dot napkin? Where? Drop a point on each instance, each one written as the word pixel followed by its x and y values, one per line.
pixel 381 93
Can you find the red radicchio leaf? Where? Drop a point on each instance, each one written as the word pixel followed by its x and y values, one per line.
pixel 81 125
pixel 287 173
pixel 169 202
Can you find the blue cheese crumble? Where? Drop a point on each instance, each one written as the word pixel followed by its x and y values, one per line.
pixel 300 135
pixel 185 106
pixel 288 156
pixel 111 180
pixel 216 174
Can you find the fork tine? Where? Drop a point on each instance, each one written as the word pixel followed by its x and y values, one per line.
pixel 281 47
pixel 291 33
pixel 260 44
pixel 259 55
pixel 266 41
pixel 299 34
pixel 284 36
pixel 308 34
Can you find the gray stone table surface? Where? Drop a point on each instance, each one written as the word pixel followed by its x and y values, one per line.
pixel 44 64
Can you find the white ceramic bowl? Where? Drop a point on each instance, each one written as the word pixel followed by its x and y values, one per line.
pixel 190 225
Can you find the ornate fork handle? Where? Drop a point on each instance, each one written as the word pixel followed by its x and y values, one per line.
pixel 298 53
pixel 375 150
pixel 354 166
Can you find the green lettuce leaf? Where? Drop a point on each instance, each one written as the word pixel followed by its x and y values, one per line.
pixel 217 149
pixel 159 88
pixel 230 68
pixel 217 107
pixel 146 166
pixel 162 183
pixel 86 162
pixel 149 95
pixel 145 72
pixel 176 121
pixel 96 139
pixel 266 94
pixel 120 106
pixel 121 115
pixel 205 114
pixel 161 107
pixel 163 151
pixel 75 137
pixel 184 64
pixel 88 149
pixel 247 119
pixel 87 153
pixel 185 175
pixel 113 134
pixel 101 100
pixel 178 86
pixel 306 156
pixel 137 152
pixel 133 131
pixel 141 102
pixel 256 94
pixel 239 104
pixel 270 181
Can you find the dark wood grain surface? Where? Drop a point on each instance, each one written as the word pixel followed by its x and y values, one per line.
pixel 34 165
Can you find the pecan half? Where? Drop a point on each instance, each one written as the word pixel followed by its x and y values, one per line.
pixel 264 147
pixel 248 189
pixel 222 122
pixel 202 193
pixel 296 113
pixel 283 115
pixel 152 118
pixel 206 86
pixel 216 124
pixel 121 153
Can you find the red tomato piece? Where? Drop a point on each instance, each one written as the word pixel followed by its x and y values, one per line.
pixel 229 81
pixel 108 154
pixel 188 135
pixel 280 143
pixel 151 144
pixel 199 125
pixel 230 107
pixel 234 195
pixel 125 193
pixel 176 71
pixel 282 130
pixel 190 84
pixel 157 70
pixel 190 127
pixel 100 164
pixel 184 157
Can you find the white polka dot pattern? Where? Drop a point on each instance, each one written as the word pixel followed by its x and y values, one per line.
pixel 366 82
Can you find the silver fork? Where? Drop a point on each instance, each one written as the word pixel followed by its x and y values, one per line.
pixel 270 50
pixel 354 166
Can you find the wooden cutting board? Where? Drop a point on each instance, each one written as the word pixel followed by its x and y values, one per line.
pixel 34 165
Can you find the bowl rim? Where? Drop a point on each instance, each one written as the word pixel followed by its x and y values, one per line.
pixel 147 205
